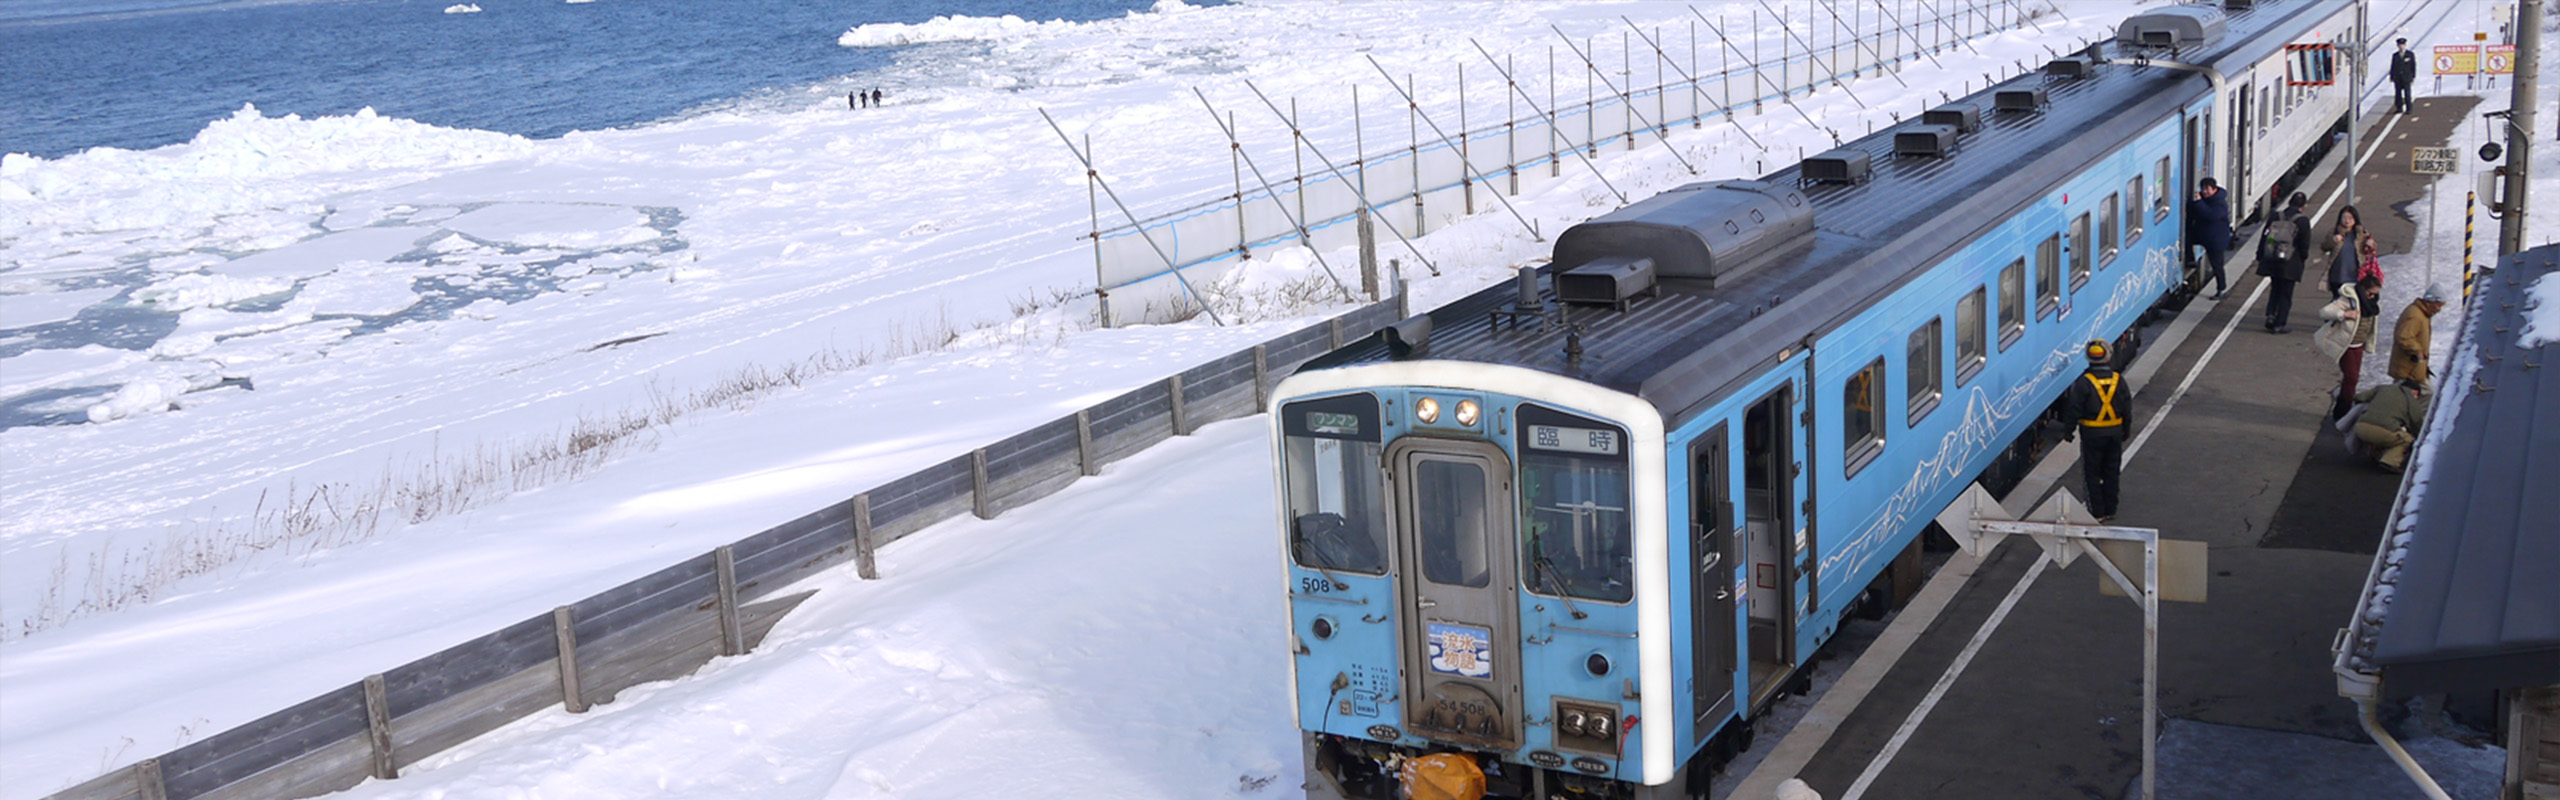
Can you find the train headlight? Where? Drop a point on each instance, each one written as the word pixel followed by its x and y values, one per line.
pixel 1467 413
pixel 1597 665
pixel 1597 726
pixel 1572 723
pixel 1323 628
pixel 1427 410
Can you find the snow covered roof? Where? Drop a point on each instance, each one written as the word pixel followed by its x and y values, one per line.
pixel 2464 595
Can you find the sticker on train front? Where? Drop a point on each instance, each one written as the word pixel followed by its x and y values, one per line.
pixel 1463 650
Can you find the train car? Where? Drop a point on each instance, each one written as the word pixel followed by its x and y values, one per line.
pixel 1565 538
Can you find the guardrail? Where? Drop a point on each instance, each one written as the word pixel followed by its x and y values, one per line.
pixel 669 623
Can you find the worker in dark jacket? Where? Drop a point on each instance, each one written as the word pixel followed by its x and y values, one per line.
pixel 2284 270
pixel 2394 414
pixel 2100 403
pixel 2404 70
pixel 2209 227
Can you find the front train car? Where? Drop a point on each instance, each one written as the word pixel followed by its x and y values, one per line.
pixel 1476 574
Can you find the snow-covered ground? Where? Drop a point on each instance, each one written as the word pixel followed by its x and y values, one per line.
pixel 613 275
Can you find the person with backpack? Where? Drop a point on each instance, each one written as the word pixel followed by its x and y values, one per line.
pixel 2282 246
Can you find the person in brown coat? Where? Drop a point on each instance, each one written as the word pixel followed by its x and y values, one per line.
pixel 2394 415
pixel 2416 331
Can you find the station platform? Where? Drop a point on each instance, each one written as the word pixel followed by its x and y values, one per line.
pixel 2032 685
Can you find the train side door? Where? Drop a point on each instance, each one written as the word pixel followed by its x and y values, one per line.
pixel 1711 529
pixel 1771 465
pixel 1455 510
pixel 2242 136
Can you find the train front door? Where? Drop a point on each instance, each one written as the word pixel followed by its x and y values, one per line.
pixel 1459 586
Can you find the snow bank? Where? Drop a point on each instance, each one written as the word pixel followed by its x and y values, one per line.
pixel 150 395
pixel 2542 323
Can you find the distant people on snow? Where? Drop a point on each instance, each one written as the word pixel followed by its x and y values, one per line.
pixel 875 97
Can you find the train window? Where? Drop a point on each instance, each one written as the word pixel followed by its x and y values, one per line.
pixel 1862 416
pixel 1337 510
pixel 1923 380
pixel 1577 538
pixel 2132 210
pixel 2160 178
pixel 2013 303
pixel 2048 275
pixel 2108 244
pixel 2079 251
pixel 1970 352
pixel 1449 521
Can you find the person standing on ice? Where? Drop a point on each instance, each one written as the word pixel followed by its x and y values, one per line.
pixel 875 97
pixel 2101 403
pixel 2210 212
pixel 2404 69
pixel 854 99
pixel 2416 331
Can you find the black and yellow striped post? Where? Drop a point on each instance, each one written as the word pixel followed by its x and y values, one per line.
pixel 2469 200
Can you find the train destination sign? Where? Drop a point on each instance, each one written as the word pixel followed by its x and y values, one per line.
pixel 1574 440
pixel 2435 160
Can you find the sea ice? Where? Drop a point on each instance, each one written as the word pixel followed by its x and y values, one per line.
pixel 197 290
pixel 570 225
pixel 325 253
pixel 23 310
pixel 37 369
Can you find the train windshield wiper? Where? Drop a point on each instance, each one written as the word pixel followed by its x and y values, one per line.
pixel 1565 594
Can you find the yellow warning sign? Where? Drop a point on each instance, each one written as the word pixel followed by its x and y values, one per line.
pixel 2457 59
pixel 2500 60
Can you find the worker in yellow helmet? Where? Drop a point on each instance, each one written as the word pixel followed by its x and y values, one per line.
pixel 2100 404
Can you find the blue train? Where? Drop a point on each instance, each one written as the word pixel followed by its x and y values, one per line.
pixel 1564 538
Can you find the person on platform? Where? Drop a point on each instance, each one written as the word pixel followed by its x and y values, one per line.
pixel 2210 212
pixel 2282 263
pixel 2415 333
pixel 2353 254
pixel 2346 328
pixel 2101 403
pixel 2394 414
pixel 2404 70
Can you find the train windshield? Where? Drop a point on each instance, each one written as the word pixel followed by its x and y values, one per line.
pixel 1337 503
pixel 1573 498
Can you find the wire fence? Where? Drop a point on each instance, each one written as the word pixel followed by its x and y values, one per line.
pixel 1431 180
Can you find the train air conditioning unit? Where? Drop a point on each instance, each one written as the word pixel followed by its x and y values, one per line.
pixel 2174 27
pixel 1934 141
pixel 1706 232
pixel 1613 282
pixel 1845 165
pixel 2073 67
pixel 2021 100
pixel 1966 117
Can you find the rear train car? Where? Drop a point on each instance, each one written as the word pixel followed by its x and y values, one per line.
pixel 1567 536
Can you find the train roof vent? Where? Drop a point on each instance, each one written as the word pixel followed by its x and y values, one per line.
pixel 1845 165
pixel 1708 231
pixel 1934 141
pixel 2073 67
pixel 2032 98
pixel 1614 281
pixel 1966 117
pixel 2176 26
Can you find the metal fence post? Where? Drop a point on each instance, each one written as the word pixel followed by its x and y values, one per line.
pixel 863 563
pixel 564 632
pixel 1173 389
pixel 1262 378
pixel 733 636
pixel 1333 328
pixel 377 723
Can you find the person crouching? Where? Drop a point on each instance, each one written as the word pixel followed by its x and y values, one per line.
pixel 2394 414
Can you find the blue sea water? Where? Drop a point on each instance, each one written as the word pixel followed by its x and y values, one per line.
pixel 138 74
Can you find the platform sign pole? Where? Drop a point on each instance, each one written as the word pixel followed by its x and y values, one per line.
pixel 2436 161
pixel 2470 202
pixel 2065 531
